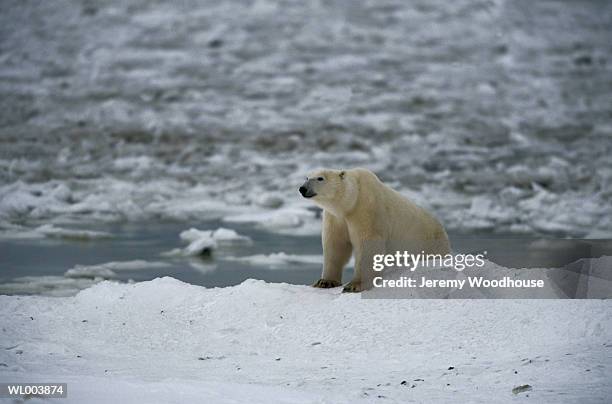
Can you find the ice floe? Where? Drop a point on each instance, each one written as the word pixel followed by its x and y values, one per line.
pixel 203 242
pixel 279 259
pixel 9 231
pixel 47 285
pixel 109 270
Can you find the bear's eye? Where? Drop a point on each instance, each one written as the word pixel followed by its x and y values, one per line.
pixel 320 179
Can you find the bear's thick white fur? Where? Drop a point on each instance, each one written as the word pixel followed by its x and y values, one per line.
pixel 366 217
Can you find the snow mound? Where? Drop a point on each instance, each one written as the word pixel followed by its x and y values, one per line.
pixel 286 343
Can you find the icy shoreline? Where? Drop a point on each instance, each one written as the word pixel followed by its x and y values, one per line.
pixel 169 341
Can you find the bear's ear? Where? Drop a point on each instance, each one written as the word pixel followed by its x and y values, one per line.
pixel 342 174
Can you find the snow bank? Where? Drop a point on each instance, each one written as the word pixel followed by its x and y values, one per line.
pixel 167 341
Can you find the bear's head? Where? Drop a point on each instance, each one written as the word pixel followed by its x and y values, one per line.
pixel 332 190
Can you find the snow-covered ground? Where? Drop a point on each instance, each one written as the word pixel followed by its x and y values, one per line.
pixel 493 114
pixel 167 341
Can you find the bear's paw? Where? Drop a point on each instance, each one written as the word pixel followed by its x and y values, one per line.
pixel 326 284
pixel 352 287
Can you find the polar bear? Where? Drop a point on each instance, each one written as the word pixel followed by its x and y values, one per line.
pixel 361 215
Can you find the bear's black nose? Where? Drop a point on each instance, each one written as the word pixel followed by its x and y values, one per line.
pixel 302 190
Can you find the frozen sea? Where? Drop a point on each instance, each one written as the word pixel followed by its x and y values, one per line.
pixel 117 116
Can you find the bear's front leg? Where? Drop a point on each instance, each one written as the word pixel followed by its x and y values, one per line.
pixel 364 259
pixel 337 251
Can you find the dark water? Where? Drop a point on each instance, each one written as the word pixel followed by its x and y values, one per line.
pixel 147 241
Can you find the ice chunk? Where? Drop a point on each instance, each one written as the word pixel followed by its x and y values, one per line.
pixel 47 285
pixel 275 220
pixel 108 270
pixel 221 235
pixel 201 246
pixel 99 271
pixel 203 242
pixel 49 230
pixel 269 200
pixel 279 259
